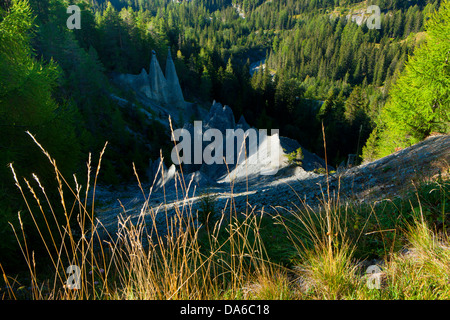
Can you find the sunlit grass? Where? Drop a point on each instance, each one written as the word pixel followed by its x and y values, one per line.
pixel 303 253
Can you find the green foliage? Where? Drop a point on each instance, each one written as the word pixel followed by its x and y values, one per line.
pixel 54 81
pixel 27 103
pixel 8 246
pixel 295 157
pixel 307 55
pixel 206 85
pixel 420 99
pixel 112 41
pixel 320 170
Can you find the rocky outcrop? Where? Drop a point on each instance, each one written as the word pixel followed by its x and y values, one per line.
pixel 158 85
pixel 138 83
pixel 219 117
pixel 175 95
pixel 164 90
pixel 242 124
pixel 380 180
pixel 263 152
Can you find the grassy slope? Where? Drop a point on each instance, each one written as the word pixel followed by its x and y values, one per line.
pixel 306 254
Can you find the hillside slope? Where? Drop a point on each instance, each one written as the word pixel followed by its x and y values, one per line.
pixel 384 179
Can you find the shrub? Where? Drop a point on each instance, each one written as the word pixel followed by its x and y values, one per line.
pixel 295 157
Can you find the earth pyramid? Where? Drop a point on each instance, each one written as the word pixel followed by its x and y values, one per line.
pixel 162 89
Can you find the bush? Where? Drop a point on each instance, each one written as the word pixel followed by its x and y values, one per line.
pixel 295 157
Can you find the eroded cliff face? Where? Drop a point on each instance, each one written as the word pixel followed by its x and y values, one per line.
pixel 293 186
pixel 164 90
pixel 263 151
pixel 158 85
pixel 175 94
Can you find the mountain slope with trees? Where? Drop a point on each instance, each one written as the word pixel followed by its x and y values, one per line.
pixel 380 89
pixel 419 102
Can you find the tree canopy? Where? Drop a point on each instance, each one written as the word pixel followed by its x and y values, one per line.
pixel 419 100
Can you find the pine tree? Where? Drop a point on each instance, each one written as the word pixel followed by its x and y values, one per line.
pixel 355 105
pixel 206 84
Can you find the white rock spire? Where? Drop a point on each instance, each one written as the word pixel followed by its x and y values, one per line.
pixel 158 85
pixel 175 95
